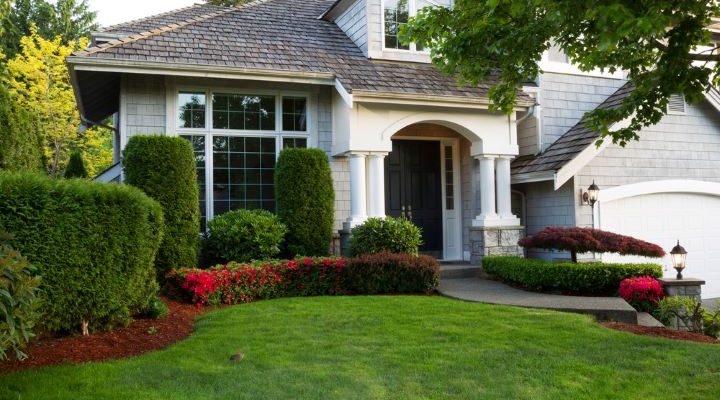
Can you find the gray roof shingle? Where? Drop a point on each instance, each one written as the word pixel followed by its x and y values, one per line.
pixel 570 144
pixel 277 35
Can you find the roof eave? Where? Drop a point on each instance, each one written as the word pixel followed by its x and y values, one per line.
pixel 440 100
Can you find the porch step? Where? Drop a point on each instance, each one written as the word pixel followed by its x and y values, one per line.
pixel 459 271
pixel 645 319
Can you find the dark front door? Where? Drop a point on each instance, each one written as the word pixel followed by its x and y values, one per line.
pixel 413 189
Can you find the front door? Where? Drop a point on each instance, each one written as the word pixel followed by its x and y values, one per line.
pixel 413 189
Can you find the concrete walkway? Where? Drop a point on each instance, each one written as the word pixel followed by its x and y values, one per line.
pixel 487 291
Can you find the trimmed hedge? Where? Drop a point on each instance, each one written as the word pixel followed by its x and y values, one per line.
pixel 164 168
pixel 93 244
pixel 583 278
pixel 18 305
pixel 305 200
pixel 244 235
pixel 379 235
pixel 235 283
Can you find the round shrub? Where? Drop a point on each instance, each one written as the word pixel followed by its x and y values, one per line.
pixel 585 240
pixel 305 200
pixel 93 244
pixel 18 289
pixel 377 235
pixel 244 235
pixel 164 168
pixel 642 292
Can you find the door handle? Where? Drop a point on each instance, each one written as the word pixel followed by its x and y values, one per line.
pixel 402 212
pixel 410 212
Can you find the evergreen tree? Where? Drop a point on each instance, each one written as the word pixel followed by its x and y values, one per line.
pixel 76 166
pixel 21 146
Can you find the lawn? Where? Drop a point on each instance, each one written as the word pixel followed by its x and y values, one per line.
pixel 394 347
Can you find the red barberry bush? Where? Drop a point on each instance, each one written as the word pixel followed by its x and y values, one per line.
pixel 585 240
pixel 643 292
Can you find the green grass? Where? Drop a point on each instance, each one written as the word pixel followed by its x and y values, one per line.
pixel 394 347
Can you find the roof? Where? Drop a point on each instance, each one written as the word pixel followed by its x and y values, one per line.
pixel 270 35
pixel 570 144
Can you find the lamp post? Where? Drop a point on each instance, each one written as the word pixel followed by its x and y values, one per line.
pixel 590 197
pixel 678 256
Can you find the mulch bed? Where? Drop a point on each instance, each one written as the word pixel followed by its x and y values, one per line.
pixel 660 332
pixel 102 346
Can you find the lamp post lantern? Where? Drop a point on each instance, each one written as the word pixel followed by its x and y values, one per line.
pixel 678 254
pixel 590 197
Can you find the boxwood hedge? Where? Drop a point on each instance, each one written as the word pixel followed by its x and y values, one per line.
pixel 164 168
pixel 583 278
pixel 305 200
pixel 93 245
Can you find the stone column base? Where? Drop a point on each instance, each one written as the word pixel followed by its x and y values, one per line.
pixel 495 241
pixel 687 287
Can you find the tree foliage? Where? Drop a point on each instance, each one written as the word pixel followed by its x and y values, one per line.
pixel 76 166
pixel 39 83
pixel 72 20
pixel 662 45
pixel 20 142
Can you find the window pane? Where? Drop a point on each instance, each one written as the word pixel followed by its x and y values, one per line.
pixel 243 112
pixel 397 13
pixel 191 113
pixel 289 143
pixel 198 144
pixel 246 180
pixel 294 114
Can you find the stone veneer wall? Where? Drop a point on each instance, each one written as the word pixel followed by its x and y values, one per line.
pixel 495 241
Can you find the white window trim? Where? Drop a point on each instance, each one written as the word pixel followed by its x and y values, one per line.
pixel 171 122
pixel 571 69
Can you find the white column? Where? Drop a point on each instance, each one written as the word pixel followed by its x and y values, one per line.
pixel 488 216
pixel 504 200
pixel 358 197
pixel 376 185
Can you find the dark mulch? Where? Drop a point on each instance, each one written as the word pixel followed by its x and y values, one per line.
pixel 120 343
pixel 661 332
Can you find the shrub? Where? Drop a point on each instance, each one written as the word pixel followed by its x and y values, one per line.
pixel 21 144
pixel 643 293
pixel 18 290
pixel 164 168
pixel 688 311
pixel 583 278
pixel 239 283
pixel 92 243
pixel 711 322
pixel 76 166
pixel 377 235
pixel 155 308
pixel 584 240
pixel 244 235
pixel 305 200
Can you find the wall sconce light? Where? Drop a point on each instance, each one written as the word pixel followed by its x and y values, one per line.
pixel 590 197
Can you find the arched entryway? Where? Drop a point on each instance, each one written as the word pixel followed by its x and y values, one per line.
pixel 423 183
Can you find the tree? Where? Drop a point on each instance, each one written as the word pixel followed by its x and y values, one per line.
pixel 39 83
pixel 76 166
pixel 662 45
pixel 20 142
pixel 72 20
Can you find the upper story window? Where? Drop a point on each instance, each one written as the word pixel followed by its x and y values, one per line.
pixel 396 14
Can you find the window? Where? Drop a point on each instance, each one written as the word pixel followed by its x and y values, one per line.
pixel 449 179
pixel 192 110
pixel 236 138
pixel 198 144
pixel 396 14
pixel 241 112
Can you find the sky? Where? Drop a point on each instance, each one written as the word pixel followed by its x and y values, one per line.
pixel 110 12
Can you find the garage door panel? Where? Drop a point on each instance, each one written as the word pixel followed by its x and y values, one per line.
pixel 663 219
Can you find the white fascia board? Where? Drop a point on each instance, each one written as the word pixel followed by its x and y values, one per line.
pixel 362 96
pixel 713 97
pixel 581 160
pixel 202 71
pixel 533 177
pixel 347 97
pixel 76 90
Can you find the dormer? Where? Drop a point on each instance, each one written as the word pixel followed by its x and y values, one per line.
pixel 374 25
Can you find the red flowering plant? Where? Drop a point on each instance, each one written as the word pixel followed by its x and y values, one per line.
pixel 643 293
pixel 584 240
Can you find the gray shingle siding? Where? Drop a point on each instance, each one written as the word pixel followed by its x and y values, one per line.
pixel 527 136
pixel 679 147
pixel 354 23
pixel 566 98
pixel 547 207
pixel 144 98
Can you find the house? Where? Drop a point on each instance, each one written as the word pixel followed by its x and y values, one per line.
pixel 243 83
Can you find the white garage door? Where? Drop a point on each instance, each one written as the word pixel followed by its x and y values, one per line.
pixel 663 218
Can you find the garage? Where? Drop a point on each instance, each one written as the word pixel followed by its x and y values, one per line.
pixel 663 212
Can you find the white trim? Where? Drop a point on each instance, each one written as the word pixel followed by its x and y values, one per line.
pixel 483 103
pixel 571 169
pixel 346 96
pixel 713 97
pixel 202 71
pixel 533 177
pixel 557 67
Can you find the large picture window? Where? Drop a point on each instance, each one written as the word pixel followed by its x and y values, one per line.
pixel 236 139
